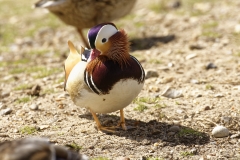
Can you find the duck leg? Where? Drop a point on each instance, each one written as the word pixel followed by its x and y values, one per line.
pixel 122 120
pixel 83 37
pixel 99 126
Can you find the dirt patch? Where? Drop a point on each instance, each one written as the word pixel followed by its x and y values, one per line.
pixel 191 46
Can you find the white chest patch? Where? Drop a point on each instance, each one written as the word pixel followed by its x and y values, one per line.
pixel 121 95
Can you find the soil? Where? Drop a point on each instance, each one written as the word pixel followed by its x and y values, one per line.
pixel 192 48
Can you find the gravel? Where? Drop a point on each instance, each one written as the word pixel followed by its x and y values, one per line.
pixel 193 48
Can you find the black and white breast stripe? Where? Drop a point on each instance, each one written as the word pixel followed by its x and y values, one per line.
pixel 90 83
pixel 105 76
pixel 143 73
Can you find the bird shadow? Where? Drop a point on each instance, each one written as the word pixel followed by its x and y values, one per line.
pixel 148 42
pixel 154 131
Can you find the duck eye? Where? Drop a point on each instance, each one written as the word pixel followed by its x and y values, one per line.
pixel 104 40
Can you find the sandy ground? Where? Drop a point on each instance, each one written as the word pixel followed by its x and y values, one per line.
pixel 192 48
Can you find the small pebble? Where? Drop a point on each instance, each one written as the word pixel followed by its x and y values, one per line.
pixel 209 157
pixel 197 112
pixel 225 120
pixel 151 151
pixel 6 111
pixel 3 106
pixel 156 144
pixel 235 135
pixel 61 97
pixel 198 95
pixel 237 28
pixel 220 131
pixel 35 91
pixel 172 93
pixel 34 107
pixel 146 142
pixel 143 158
pixel 151 74
pixel 61 106
pixel 185 116
pixel 193 151
pixel 5 94
pixel 211 66
pixel 170 152
pixel 174 4
pixel 179 111
pixel 167 80
pixel 174 129
pixel 236 88
pixel 191 56
pixel 46 79
pixel 164 68
pixel 206 108
pixel 194 81
pixel 43 127
pixel 154 89
pixel 170 65
pixel 9 77
pixel 219 95
pixel 195 47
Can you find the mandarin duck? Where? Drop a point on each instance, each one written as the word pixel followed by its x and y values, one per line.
pixel 107 78
pixel 86 13
pixel 36 149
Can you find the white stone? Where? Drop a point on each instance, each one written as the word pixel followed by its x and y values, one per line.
pixel 194 81
pixel 220 131
pixel 219 95
pixel 191 56
pixel 34 107
pixel 6 111
pixel 237 28
pixel 172 93
pixel 151 73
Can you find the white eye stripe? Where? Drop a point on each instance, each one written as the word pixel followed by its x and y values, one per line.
pixel 105 33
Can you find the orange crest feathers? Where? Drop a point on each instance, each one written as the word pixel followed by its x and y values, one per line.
pixel 73 58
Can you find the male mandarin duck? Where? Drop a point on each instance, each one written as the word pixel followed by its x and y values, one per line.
pixel 36 149
pixel 108 78
pixel 86 13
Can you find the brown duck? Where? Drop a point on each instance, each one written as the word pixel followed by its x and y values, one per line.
pixel 86 13
pixel 106 79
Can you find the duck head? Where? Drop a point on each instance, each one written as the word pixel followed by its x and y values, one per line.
pixel 108 43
